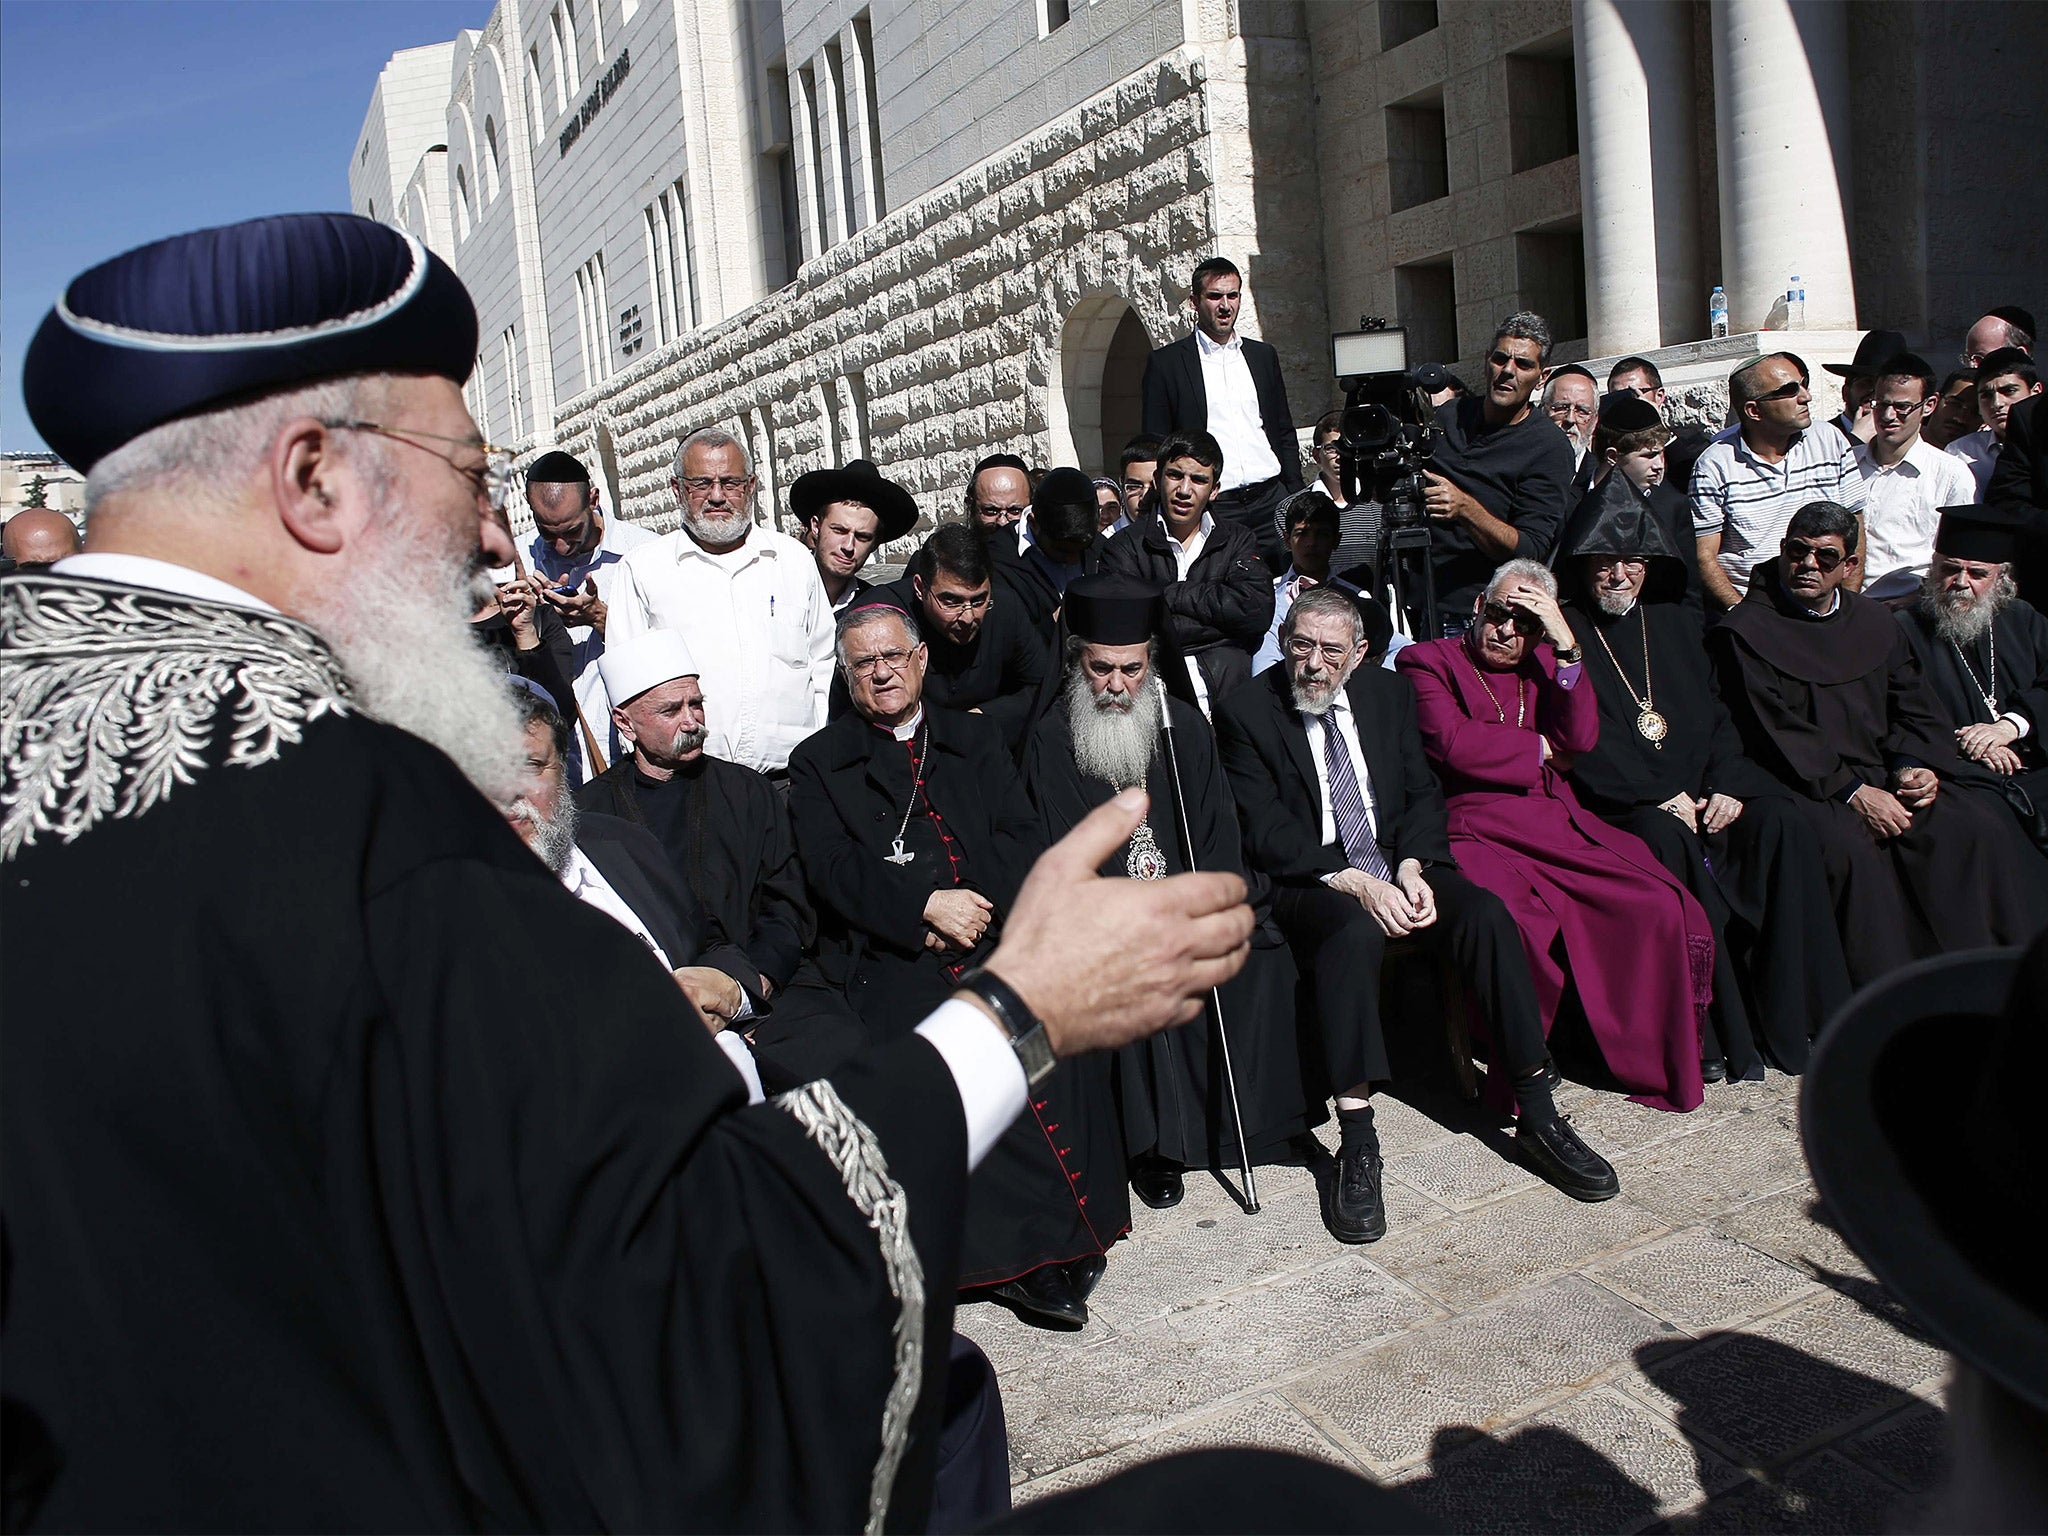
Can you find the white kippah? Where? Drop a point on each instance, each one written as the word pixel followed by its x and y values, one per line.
pixel 632 667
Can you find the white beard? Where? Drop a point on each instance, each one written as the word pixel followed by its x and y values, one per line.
pixel 400 625
pixel 729 529
pixel 1316 698
pixel 1113 745
pixel 1964 623
pixel 1614 604
pixel 554 837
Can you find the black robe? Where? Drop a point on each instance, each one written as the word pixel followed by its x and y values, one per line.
pixel 1828 703
pixel 2011 662
pixel 726 831
pixel 1052 1189
pixel 1170 1089
pixel 358 1176
pixel 1759 879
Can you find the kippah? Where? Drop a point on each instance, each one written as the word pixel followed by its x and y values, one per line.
pixel 1625 411
pixel 557 468
pixel 2004 360
pixel 2019 319
pixel 1571 371
pixel 218 315
pixel 1063 487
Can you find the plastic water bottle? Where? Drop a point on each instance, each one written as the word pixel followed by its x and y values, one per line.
pixel 1717 312
pixel 1795 305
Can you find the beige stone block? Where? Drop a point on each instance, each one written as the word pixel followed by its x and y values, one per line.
pixel 1414 66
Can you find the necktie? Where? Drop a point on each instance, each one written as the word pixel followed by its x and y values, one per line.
pixel 1347 803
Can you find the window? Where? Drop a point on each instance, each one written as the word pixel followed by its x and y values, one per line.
pixel 366 152
pixel 507 342
pixel 1052 15
pixel 373 207
pixel 1425 303
pixel 1418 161
pixel 462 208
pixel 1543 105
pixel 871 119
pixel 803 106
pixel 561 63
pixel 837 120
pixel 494 164
pixel 781 214
pixel 564 21
pixel 672 262
pixel 593 321
pixel 536 108
pixel 597 31
pixel 1550 278
pixel 478 399
pixel 1403 19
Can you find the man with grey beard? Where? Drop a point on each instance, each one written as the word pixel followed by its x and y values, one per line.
pixel 1984 649
pixel 1104 735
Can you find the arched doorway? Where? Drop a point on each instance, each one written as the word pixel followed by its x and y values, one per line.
pixel 1095 406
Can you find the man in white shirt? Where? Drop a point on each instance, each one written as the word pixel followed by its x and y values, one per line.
pixel 573 554
pixel 748 601
pixel 1573 402
pixel 1906 482
pixel 1229 386
pixel 2006 377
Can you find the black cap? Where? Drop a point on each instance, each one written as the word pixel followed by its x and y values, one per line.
pixel 1063 487
pixel 1989 534
pixel 1112 610
pixel 2019 319
pixel 557 468
pixel 895 508
pixel 1873 349
pixel 2004 360
pixel 1626 411
pixel 204 319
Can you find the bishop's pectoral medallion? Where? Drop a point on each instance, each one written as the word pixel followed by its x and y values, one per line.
pixel 1145 861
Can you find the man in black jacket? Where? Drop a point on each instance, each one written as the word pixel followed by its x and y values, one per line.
pixel 1341 811
pixel 1036 558
pixel 2019 483
pixel 1219 594
pixel 1214 380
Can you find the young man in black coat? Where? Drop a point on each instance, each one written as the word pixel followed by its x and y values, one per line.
pixel 1219 593
pixel 1342 813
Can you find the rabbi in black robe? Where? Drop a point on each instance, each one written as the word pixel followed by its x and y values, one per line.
pixel 1670 768
pixel 1984 649
pixel 1171 1091
pixel 916 833
pixel 1827 695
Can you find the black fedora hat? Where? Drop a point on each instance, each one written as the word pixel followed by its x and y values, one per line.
pixel 1918 1117
pixel 858 481
pixel 1876 348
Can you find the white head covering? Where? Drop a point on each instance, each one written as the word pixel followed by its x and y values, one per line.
pixel 632 667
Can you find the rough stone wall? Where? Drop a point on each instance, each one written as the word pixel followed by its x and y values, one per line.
pixel 949 309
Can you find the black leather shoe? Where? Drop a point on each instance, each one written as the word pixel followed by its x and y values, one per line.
pixel 1159 1185
pixel 1553 1149
pixel 1085 1274
pixel 1044 1298
pixel 1357 1213
pixel 1714 1071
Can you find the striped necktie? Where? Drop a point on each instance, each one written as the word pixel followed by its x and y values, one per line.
pixel 1347 803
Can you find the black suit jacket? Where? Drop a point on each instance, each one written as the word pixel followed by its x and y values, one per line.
pixel 2019 484
pixel 638 868
pixel 1176 399
pixel 1221 613
pixel 1265 746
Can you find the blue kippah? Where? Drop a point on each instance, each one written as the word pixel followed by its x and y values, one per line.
pixel 202 319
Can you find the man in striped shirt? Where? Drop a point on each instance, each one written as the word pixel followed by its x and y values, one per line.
pixel 1757 473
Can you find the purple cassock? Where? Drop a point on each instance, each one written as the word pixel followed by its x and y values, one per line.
pixel 1637 945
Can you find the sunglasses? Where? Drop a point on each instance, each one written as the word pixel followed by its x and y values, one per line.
pixel 1798 551
pixel 1498 614
pixel 1784 391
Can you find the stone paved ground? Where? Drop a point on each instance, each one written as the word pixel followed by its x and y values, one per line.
pixel 1702 1354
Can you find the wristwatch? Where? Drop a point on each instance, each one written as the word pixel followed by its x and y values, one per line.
pixel 1025 1029
pixel 1567 654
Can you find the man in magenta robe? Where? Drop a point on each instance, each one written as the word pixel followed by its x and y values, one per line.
pixel 1502 711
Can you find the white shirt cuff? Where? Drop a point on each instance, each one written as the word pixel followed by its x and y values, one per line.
pixel 985 1070
pixel 742 1060
pixel 2019 722
pixel 745 1010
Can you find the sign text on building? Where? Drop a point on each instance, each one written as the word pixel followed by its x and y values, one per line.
pixel 594 102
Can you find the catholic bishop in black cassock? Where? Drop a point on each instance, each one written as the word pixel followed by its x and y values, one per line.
pixel 1100 734
pixel 916 833
pixel 1827 695
pixel 1984 649
pixel 1669 767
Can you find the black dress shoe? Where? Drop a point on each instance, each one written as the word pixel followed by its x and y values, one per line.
pixel 1159 1185
pixel 1085 1274
pixel 1551 1147
pixel 1357 1212
pixel 1044 1298
pixel 1714 1071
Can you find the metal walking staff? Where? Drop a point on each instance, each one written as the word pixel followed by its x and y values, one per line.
pixel 1187 843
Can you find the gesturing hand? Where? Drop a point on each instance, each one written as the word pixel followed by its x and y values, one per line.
pixel 1106 962
pixel 1881 812
pixel 960 917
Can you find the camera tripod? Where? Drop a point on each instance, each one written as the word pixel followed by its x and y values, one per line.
pixel 1398 546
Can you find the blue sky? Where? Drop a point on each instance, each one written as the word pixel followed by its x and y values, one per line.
pixel 123 122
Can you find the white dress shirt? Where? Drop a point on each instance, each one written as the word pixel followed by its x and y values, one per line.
pixel 1979 452
pixel 758 625
pixel 1184 557
pixel 977 1053
pixel 1347 728
pixel 1902 504
pixel 1234 419
pixel 598 565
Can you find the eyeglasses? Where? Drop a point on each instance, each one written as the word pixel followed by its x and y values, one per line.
pixel 1625 562
pixel 1798 551
pixel 697 487
pixel 953 602
pixel 1007 514
pixel 1566 408
pixel 864 666
pixel 1898 407
pixel 1501 359
pixel 1498 614
pixel 492 479
pixel 1301 648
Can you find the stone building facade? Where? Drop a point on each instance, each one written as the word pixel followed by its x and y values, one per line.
pixel 924 230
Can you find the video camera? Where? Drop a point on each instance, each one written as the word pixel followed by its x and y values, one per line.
pixel 1389 430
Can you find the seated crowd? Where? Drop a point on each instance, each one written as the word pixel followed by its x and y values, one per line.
pixel 1703 732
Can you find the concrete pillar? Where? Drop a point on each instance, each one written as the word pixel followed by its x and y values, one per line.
pixel 1781 108
pixel 804 146
pixel 1638 186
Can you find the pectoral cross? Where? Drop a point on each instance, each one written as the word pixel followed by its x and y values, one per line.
pixel 898 854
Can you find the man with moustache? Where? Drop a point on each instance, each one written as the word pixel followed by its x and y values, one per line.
pixel 1504 711
pixel 725 832
pixel 1828 697
pixel 1572 401
pixel 1341 812
pixel 1102 735
pixel 443 1151
pixel 1984 650
pixel 1669 768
